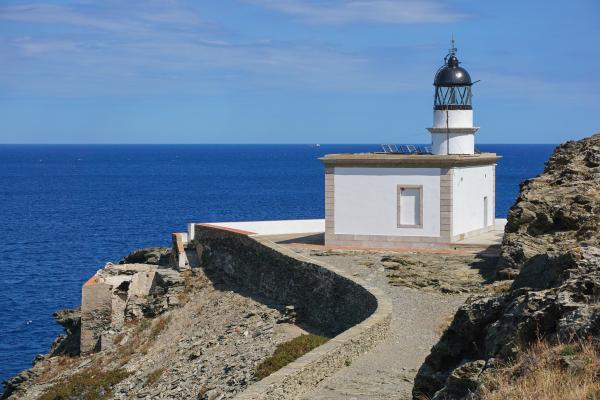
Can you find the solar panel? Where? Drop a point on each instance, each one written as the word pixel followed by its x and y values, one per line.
pixel 405 149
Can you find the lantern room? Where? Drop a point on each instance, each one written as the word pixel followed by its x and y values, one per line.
pixel 452 132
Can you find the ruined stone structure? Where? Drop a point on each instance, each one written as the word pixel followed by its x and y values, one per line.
pixel 123 292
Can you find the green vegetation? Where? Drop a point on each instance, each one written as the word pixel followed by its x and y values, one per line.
pixel 144 324
pixel 287 352
pixel 86 385
pixel 569 349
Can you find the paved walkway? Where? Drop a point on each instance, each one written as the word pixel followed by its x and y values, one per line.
pixel 491 238
pixel 387 372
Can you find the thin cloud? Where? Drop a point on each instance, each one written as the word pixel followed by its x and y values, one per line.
pixel 365 11
pixel 184 64
pixel 51 14
pixel 512 86
pixel 163 47
pixel 107 16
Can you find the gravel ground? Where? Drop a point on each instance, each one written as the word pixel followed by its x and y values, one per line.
pixel 419 315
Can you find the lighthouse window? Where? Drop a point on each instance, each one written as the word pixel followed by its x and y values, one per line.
pixel 410 206
pixel 452 97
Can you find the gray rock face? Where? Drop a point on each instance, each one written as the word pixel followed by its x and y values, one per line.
pixel 552 250
pixel 67 344
pixel 554 213
pixel 13 384
pixel 150 255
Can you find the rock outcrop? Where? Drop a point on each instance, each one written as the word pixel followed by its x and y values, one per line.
pixel 554 213
pixel 149 255
pixel 67 343
pixel 551 249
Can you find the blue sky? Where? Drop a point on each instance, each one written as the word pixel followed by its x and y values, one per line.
pixel 292 71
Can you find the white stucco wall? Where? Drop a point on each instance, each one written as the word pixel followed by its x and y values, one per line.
pixel 366 200
pixel 452 143
pixel 282 227
pixel 469 187
pixel 456 118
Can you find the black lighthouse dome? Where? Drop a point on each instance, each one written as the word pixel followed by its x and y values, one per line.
pixel 451 74
pixel 452 85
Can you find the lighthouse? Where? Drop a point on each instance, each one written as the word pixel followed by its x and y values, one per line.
pixel 402 197
pixel 453 131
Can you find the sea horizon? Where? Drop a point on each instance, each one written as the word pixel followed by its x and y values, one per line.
pixel 258 144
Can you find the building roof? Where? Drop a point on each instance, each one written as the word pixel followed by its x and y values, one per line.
pixel 408 160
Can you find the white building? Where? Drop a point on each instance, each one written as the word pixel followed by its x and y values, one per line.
pixel 412 198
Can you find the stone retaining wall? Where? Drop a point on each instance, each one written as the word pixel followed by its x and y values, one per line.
pixel 327 299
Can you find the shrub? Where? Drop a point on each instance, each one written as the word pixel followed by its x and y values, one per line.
pixel 144 324
pixel 287 352
pixel 90 384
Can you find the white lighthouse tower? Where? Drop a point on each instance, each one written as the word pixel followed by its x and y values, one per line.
pixel 453 132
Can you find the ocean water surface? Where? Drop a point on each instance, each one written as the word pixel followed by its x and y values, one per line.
pixel 65 210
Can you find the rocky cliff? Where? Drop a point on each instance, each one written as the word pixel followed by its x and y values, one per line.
pixel 551 249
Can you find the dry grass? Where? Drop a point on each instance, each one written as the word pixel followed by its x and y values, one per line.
pixel 154 376
pixel 129 349
pixel 543 373
pixel 444 324
pixel 142 338
pixel 55 368
pixel 159 326
pixel 287 352
pixel 203 390
pixel 118 338
pixel 193 281
pixel 499 287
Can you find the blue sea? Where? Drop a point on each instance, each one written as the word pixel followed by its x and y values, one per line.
pixel 65 210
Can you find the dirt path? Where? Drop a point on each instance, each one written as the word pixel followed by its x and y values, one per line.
pixel 419 315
